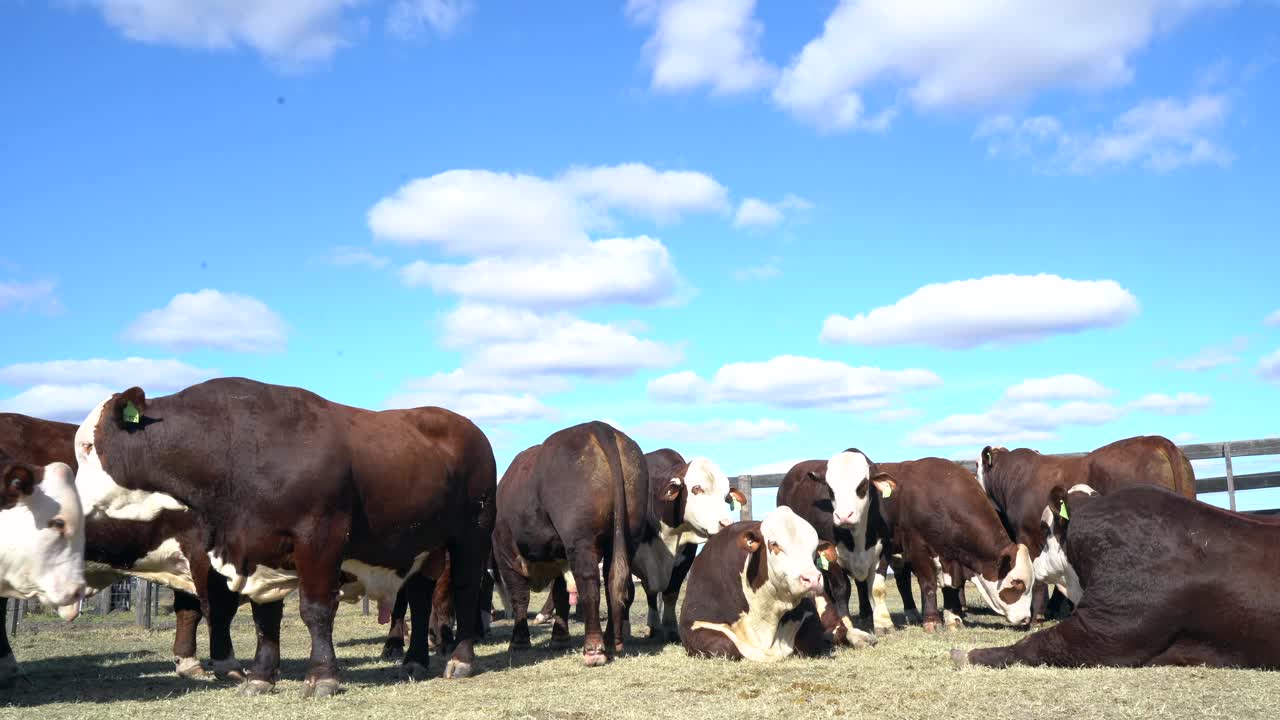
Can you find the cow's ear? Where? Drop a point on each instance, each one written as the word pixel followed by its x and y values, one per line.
pixel 885 484
pixel 735 495
pixel 988 458
pixel 19 482
pixel 815 476
pixel 128 407
pixel 827 551
pixel 750 540
pixel 674 486
pixel 1058 502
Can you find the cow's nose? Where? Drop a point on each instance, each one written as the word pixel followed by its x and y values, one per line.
pixel 811 580
pixel 844 518
pixel 725 523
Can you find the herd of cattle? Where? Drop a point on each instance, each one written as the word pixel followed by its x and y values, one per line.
pixel 233 491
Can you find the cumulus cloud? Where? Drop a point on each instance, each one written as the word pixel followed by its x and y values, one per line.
pixel 347 256
pixel 1058 387
pixel 67 390
pixel 1012 422
pixel 618 270
pixel 1213 356
pixel 483 399
pixel 64 403
pixel 790 381
pixel 37 295
pixel 701 43
pixel 1183 403
pixel 1269 367
pixel 1161 134
pixel 996 309
pixel 898 414
pixel 757 213
pixel 407 18
pixel 713 430
pixel 967 54
pixel 639 189
pixel 214 320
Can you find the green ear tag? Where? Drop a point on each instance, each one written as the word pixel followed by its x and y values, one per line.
pixel 131 414
pixel 888 492
pixel 733 505
pixel 823 563
pixel 1062 510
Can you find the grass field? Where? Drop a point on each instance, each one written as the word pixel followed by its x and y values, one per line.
pixel 115 670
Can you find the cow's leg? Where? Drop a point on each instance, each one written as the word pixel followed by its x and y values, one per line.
pixel 1039 598
pixel 9 670
pixel 709 643
pixel 265 669
pixel 418 591
pixel 670 626
pixel 393 647
pixel 467 557
pixel 586 575
pixel 559 599
pixel 654 618
pixel 902 578
pixel 440 636
pixel 219 606
pixel 927 577
pixel 186 610
pixel 319 564
pixel 548 609
pixel 628 597
pixel 866 617
pixel 1087 638
pixel 1059 605
pixel 518 594
pixel 486 601
pixel 880 618
pixel 951 612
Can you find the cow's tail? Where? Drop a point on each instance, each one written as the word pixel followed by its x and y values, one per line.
pixel 621 561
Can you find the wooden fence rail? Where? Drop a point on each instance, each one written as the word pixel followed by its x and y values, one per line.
pixel 1229 483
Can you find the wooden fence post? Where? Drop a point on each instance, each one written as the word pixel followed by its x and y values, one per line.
pixel 364 604
pixel 12 606
pixel 142 603
pixel 1231 478
pixel 104 600
pixel 744 486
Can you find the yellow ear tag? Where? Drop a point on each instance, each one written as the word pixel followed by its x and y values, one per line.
pixel 823 563
pixel 887 492
pixel 131 414
pixel 1062 510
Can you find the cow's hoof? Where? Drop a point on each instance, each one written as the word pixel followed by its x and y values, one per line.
pixel 322 688
pixel 673 636
pixel 858 639
pixel 912 617
pixel 955 624
pixel 560 642
pixel 540 619
pixel 188 668
pixel 930 626
pixel 959 658
pixel 457 669
pixel 414 671
pixel 520 642
pixel 392 653
pixel 228 671
pixel 254 688
pixel 9 671
pixel 883 631
pixel 594 658
pixel 656 633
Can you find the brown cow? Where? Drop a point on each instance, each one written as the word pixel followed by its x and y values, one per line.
pixel 1019 481
pixel 579 498
pixel 751 591
pixel 1165 581
pixel 296 492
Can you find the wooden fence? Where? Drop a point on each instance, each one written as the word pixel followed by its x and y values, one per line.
pixel 1229 483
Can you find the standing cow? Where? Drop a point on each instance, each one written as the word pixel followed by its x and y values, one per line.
pixel 579 498
pixel 292 492
pixel 42 554
pixel 1018 482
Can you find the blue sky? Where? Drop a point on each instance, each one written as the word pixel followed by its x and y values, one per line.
pixel 760 232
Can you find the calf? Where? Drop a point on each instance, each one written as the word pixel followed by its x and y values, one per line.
pixel 1018 482
pixel 292 491
pixel 945 527
pixel 581 495
pixel 751 591
pixel 688 503
pixel 1163 580
pixel 42 556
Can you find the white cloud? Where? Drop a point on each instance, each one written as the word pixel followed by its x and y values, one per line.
pixel 211 319
pixel 295 32
pixel 1058 387
pixel 1181 404
pixel 683 386
pixel 65 403
pixel 713 430
pixel 1012 422
pixel 703 43
pixel 1269 367
pixel 791 381
pixel 479 399
pixel 1213 356
pixel 407 17
pixel 898 414
pixel 160 375
pixel 346 256
pixel 967 54
pixel 764 271
pixel 757 213
pixel 29 295
pixel 620 270
pixel 1162 134
pixel 642 190
pixel 1272 320
pixel 995 309
pixel 1184 438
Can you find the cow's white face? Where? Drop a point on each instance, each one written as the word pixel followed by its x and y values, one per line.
pixel 849 476
pixel 1011 596
pixel 100 494
pixel 43 551
pixel 1052 566
pixel 790 549
pixel 706 508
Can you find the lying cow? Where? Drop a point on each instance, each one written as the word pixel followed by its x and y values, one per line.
pixel 42 555
pixel 690 502
pixel 292 491
pixel 946 529
pixel 1018 482
pixel 752 588
pixel 580 495
pixel 1163 580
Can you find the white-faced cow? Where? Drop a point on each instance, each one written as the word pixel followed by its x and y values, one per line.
pixel 752 588
pixel 42 555
pixel 1161 580
pixel 293 492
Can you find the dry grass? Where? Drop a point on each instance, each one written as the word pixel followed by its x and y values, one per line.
pixel 110 670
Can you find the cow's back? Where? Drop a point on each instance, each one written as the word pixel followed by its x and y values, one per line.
pixel 809 498
pixel 1143 460
pixel 575 483
pixel 36 441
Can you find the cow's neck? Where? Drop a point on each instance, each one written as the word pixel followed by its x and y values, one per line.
pixel 760 627
pixel 656 557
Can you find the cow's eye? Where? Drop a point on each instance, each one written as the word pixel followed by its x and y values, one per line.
pixel 696 489
pixel 86 447
pixel 774 547
pixel 58 524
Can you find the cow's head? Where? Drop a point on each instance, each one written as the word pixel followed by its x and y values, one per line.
pixel 1009 593
pixel 100 443
pixel 1051 565
pixel 987 461
pixel 784 551
pixel 852 478
pixel 708 497
pixel 43 531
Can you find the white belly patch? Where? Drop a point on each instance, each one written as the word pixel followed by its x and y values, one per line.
pixel 379 583
pixel 263 585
